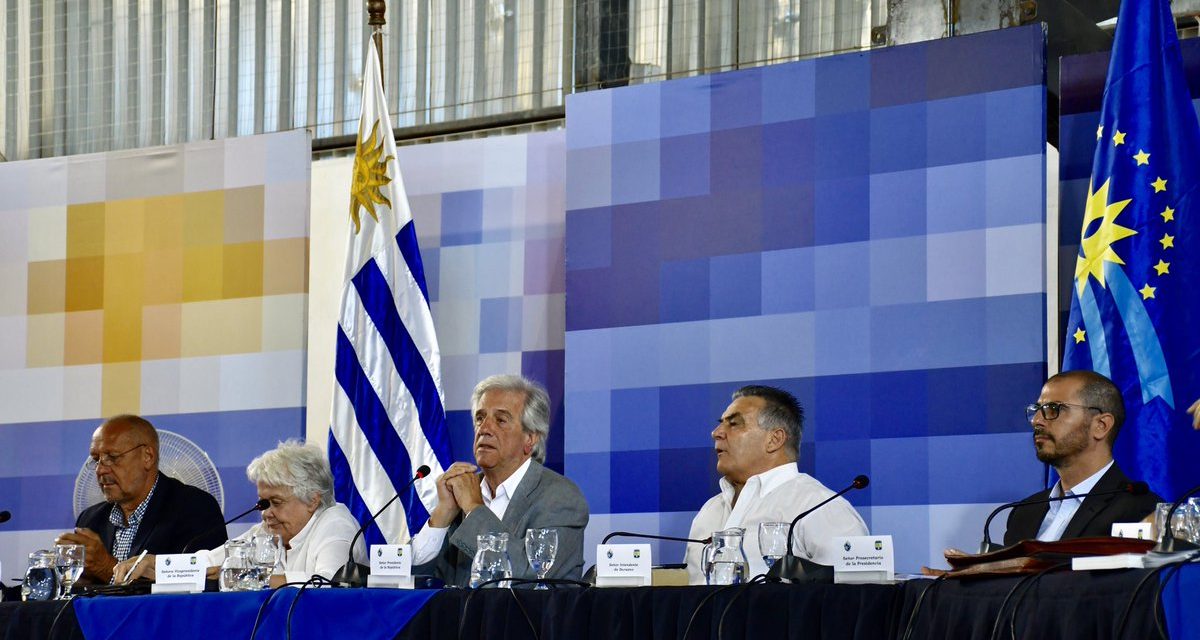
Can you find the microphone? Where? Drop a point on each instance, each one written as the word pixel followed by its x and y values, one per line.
pixel 5 516
pixel 798 569
pixel 1137 488
pixel 351 574
pixel 261 505
pixel 629 534
pixel 1167 542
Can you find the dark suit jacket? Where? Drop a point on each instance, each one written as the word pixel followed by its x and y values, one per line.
pixel 1095 516
pixel 543 500
pixel 177 513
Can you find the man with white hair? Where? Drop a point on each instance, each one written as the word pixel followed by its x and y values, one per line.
pixel 506 491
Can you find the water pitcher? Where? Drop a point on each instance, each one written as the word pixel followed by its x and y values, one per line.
pixel 724 560
pixel 491 559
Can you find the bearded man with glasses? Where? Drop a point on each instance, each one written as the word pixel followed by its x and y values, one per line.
pixel 143 510
pixel 1075 422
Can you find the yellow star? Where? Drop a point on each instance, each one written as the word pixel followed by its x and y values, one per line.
pixel 1162 267
pixel 1167 241
pixel 1142 157
pixel 1159 185
pixel 1080 335
pixel 1118 138
pixel 1147 292
pixel 1168 215
pixel 1100 134
pixel 1097 248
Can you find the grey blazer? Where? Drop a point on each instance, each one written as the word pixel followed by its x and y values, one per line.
pixel 543 500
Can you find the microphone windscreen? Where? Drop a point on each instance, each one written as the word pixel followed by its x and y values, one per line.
pixel 1138 488
pixel 861 482
pixel 422 471
pixel 5 515
pixel 262 505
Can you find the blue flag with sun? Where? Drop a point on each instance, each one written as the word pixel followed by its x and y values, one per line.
pixel 1135 306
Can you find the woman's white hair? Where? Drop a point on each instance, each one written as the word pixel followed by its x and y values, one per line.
pixel 297 465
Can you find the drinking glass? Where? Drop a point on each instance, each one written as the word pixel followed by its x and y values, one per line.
pixel 41 578
pixel 541 545
pixel 1179 528
pixel 772 541
pixel 69 561
pixel 267 554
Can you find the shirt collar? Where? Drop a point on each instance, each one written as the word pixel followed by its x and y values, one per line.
pixel 1083 487
pixel 763 483
pixel 508 488
pixel 117 516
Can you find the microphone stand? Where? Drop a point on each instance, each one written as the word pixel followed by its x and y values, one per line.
pixel 353 574
pixel 261 505
pixel 796 569
pixel 987 546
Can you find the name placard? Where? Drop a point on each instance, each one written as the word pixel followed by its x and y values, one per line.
pixel 184 572
pixel 623 565
pixel 863 559
pixel 1139 530
pixel 391 560
pixel 391 566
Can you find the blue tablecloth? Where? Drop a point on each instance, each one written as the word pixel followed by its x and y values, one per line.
pixel 1180 605
pixel 363 614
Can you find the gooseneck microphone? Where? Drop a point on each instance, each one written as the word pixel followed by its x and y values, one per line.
pixel 5 516
pixel 630 534
pixel 351 574
pixel 261 505
pixel 1167 542
pixel 798 569
pixel 1137 488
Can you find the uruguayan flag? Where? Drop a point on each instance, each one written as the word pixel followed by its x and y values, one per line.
pixel 388 411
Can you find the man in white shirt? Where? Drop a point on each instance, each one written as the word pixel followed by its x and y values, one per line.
pixel 506 491
pixel 1075 422
pixel 758 443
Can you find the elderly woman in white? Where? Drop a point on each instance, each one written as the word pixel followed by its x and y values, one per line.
pixel 316 531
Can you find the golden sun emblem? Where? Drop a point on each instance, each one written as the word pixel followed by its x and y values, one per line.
pixel 1097 248
pixel 370 176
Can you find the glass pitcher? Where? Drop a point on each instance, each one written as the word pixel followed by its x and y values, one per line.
pixel 41 579
pixel 491 559
pixel 237 571
pixel 724 560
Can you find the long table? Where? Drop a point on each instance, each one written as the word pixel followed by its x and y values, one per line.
pixel 1066 605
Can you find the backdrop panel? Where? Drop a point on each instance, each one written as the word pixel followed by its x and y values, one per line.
pixel 865 230
pixel 168 282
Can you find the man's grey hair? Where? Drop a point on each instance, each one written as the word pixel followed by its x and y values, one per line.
pixel 297 465
pixel 536 416
pixel 780 410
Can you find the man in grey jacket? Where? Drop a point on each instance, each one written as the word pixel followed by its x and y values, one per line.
pixel 506 491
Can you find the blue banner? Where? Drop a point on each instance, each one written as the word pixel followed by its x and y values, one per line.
pixel 1134 309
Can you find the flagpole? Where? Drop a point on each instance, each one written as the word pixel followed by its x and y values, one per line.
pixel 376 18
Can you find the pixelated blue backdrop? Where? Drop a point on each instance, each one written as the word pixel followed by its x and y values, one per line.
pixel 865 230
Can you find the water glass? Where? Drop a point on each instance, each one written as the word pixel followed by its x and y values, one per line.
pixel 41 578
pixel 772 541
pixel 267 557
pixel 1179 525
pixel 541 546
pixel 69 561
